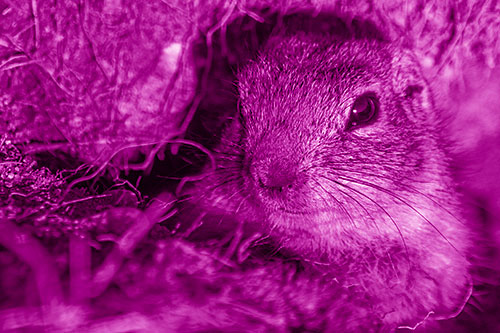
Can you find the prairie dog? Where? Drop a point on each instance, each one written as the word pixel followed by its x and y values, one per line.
pixel 336 152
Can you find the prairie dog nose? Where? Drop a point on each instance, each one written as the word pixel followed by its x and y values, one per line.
pixel 276 175
pixel 275 171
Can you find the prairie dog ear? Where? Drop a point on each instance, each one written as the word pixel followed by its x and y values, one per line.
pixel 411 87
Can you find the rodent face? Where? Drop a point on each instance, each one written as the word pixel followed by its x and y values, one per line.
pixel 301 156
pixel 293 162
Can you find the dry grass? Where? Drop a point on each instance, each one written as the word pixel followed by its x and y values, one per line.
pixel 106 86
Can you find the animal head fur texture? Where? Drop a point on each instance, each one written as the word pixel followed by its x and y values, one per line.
pixel 376 202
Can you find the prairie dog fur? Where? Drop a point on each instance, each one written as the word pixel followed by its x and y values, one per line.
pixel 336 152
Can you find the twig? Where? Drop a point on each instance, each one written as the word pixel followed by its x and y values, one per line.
pixel 102 167
pixel 198 222
pixel 34 10
pixel 16 65
pixel 12 59
pixel 143 223
pixel 233 245
pixel 121 182
pixel 412 328
pixel 72 202
pixel 197 177
pixel 243 254
pixel 149 159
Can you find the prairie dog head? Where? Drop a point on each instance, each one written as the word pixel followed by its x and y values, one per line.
pixel 336 149
pixel 340 142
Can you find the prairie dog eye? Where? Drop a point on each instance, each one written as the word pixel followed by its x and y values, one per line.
pixel 364 110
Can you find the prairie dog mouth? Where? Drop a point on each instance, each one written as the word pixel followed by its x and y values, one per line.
pixel 295 212
pixel 303 212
